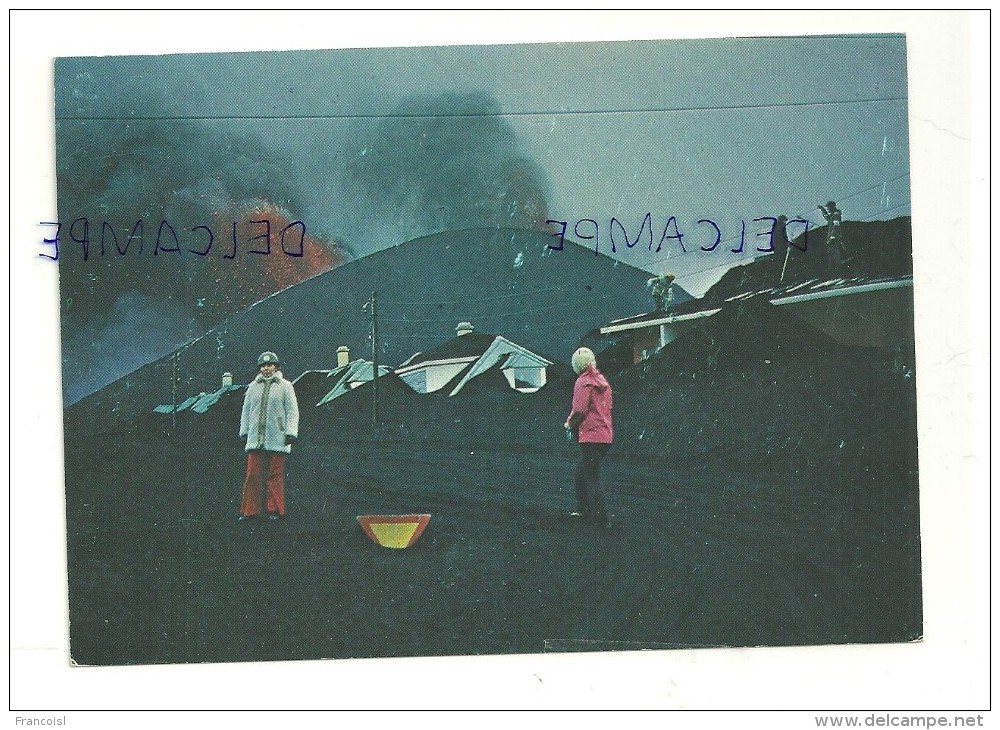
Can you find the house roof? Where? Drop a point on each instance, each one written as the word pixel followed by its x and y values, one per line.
pixel 312 385
pixel 197 403
pixel 792 293
pixel 653 319
pixel 310 376
pixel 182 406
pixel 505 352
pixel 473 344
pixel 358 371
pixel 478 352
pixel 809 290
pixel 210 399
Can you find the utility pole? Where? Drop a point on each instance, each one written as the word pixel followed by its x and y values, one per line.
pixel 788 252
pixel 173 395
pixel 375 349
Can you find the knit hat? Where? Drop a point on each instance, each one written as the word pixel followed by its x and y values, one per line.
pixel 582 358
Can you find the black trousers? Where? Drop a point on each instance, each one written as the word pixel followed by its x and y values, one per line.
pixel 588 483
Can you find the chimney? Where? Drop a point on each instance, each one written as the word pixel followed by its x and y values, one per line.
pixel 343 355
pixel 227 380
pixel 463 328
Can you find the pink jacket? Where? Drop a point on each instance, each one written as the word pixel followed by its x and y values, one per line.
pixel 591 413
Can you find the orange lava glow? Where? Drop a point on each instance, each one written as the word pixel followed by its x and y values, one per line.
pixel 265 258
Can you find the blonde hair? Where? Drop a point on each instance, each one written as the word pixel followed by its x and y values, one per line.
pixel 582 358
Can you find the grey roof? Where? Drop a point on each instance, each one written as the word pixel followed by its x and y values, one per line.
pixel 210 399
pixel 349 376
pixel 182 406
pixel 792 293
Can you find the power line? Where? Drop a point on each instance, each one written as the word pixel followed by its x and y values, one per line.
pixel 513 295
pixel 492 315
pixel 887 210
pixel 567 323
pixel 578 301
pixel 876 186
pixel 801 217
pixel 479 115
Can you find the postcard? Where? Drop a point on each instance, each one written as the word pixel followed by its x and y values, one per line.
pixel 683 485
pixel 485 350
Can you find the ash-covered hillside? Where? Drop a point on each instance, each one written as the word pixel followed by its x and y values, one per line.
pixel 508 282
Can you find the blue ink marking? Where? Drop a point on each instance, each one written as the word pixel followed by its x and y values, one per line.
pixel 141 227
pixel 677 234
pixel 105 227
pixel 211 240
pixel 561 235
pixel 228 256
pixel 302 239
pixel 597 232
pixel 743 237
pixel 51 241
pixel 266 236
pixel 718 234
pixel 85 241
pixel 159 234
pixel 774 224
pixel 647 225
pixel 168 241
pixel 672 231
pixel 805 233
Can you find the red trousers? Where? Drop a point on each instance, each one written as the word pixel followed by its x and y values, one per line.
pixel 269 467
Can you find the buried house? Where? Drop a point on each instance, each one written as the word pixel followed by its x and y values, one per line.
pixel 470 354
pixel 202 402
pixel 319 387
pixel 860 311
pixel 861 299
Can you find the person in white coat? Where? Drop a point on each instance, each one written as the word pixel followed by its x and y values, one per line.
pixel 269 423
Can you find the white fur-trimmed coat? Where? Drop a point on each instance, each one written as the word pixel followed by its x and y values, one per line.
pixel 270 412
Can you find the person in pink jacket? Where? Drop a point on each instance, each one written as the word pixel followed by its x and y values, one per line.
pixel 590 421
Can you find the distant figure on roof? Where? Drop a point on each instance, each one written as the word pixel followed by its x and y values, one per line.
pixel 590 422
pixel 662 290
pixel 781 233
pixel 269 423
pixel 834 233
pixel 781 242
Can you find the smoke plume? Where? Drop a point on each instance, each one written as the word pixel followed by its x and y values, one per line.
pixel 444 162
pixel 435 163
pixel 119 177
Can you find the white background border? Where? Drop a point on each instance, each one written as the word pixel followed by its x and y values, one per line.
pixel 949 670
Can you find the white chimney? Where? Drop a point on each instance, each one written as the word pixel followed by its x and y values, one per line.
pixel 227 380
pixel 463 328
pixel 343 355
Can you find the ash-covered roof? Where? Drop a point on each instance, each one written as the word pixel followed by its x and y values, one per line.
pixel 210 399
pixel 168 408
pixel 793 293
pixel 348 377
pixel 473 344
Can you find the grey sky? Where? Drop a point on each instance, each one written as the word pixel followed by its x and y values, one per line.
pixel 728 130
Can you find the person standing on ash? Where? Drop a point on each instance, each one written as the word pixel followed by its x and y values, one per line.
pixel 590 422
pixel 835 248
pixel 269 423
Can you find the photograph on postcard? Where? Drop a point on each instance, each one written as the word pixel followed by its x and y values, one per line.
pixel 485 350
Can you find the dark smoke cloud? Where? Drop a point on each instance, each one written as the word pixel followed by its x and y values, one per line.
pixel 136 163
pixel 133 334
pixel 435 163
pixel 445 162
pixel 124 170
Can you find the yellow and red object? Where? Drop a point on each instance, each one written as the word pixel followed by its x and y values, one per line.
pixel 394 531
